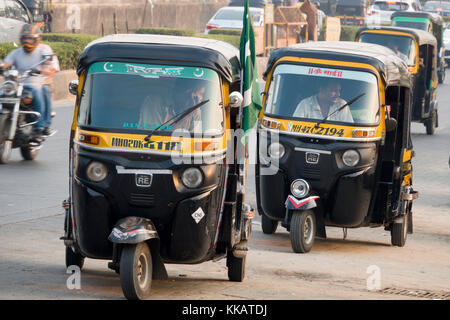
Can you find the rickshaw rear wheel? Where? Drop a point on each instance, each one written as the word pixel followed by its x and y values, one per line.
pixel 268 225
pixel 430 124
pixel 136 271
pixel 303 231
pixel 29 153
pixel 74 258
pixel 236 267
pixel 5 152
pixel 399 232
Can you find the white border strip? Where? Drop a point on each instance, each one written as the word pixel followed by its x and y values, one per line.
pixel 299 134
pixel 312 150
pixel 122 170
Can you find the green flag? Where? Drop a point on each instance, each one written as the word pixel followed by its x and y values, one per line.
pixel 250 88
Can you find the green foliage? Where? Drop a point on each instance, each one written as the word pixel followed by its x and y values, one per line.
pixel 67 47
pixel 166 31
pixel 229 32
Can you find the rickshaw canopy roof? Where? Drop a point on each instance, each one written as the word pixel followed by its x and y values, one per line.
pixel 157 49
pixel 422 37
pixel 433 17
pixel 392 69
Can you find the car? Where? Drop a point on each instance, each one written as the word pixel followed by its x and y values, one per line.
pixel 13 15
pixel 232 17
pixel 447 44
pixel 380 11
pixel 439 7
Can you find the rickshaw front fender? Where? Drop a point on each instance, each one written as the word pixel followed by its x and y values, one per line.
pixel 133 230
pixel 301 205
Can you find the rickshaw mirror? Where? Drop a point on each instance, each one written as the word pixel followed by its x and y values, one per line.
pixel 236 99
pixel 391 124
pixel 73 87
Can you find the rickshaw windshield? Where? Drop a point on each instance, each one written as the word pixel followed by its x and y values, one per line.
pixel 403 46
pixel 128 97
pixel 314 93
pixel 421 25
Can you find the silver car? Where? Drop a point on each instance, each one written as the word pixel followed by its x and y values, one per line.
pixel 447 44
pixel 232 17
pixel 13 15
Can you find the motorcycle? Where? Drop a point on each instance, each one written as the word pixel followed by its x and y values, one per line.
pixel 17 116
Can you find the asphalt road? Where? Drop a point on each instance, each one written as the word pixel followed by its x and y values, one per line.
pixel 32 256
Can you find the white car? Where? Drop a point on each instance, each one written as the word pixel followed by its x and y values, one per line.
pixel 447 44
pixel 379 13
pixel 232 17
pixel 13 15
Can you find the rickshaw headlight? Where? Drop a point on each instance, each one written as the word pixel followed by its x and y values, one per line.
pixel 351 158
pixel 276 150
pixel 192 178
pixel 300 188
pixel 96 171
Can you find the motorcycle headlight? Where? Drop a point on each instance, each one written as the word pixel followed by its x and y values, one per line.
pixel 300 188
pixel 192 178
pixel 9 88
pixel 276 150
pixel 351 158
pixel 96 171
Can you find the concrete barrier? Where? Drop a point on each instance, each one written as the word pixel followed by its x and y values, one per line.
pixel 122 16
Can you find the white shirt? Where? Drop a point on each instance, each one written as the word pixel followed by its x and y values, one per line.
pixel 310 108
pixel 23 61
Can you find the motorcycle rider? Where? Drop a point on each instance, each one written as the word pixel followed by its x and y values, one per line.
pixel 25 58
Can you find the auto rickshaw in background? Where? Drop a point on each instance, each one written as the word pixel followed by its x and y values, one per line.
pixel 426 21
pixel 154 175
pixel 418 49
pixel 349 167
pixel 42 12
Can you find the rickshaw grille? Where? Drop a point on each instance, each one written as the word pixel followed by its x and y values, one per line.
pixel 142 200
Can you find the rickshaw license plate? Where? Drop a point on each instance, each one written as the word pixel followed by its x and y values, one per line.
pixel 144 180
pixel 312 158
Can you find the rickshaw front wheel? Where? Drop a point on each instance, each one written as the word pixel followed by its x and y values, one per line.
pixel 136 271
pixel 74 258
pixel 268 225
pixel 236 267
pixel 399 232
pixel 302 231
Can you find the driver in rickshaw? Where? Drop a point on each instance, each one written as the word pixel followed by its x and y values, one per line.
pixel 326 102
pixel 394 47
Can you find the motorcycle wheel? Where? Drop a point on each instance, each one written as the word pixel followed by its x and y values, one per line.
pixel 268 225
pixel 5 151
pixel 29 153
pixel 303 231
pixel 236 267
pixel 74 258
pixel 136 271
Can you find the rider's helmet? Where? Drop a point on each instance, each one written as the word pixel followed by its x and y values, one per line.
pixel 30 36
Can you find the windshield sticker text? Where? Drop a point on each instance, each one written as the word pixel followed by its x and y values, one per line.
pixel 331 73
pixel 317 130
pixel 159 71
pixel 151 145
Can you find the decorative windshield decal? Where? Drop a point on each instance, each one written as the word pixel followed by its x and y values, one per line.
pixel 152 70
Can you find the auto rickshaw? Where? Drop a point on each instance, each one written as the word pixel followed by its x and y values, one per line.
pixel 426 21
pixel 348 168
pixel 418 49
pixel 42 11
pixel 148 185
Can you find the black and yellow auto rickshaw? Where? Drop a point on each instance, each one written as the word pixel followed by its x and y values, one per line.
pixel 347 167
pixel 42 12
pixel 426 21
pixel 418 49
pixel 154 175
